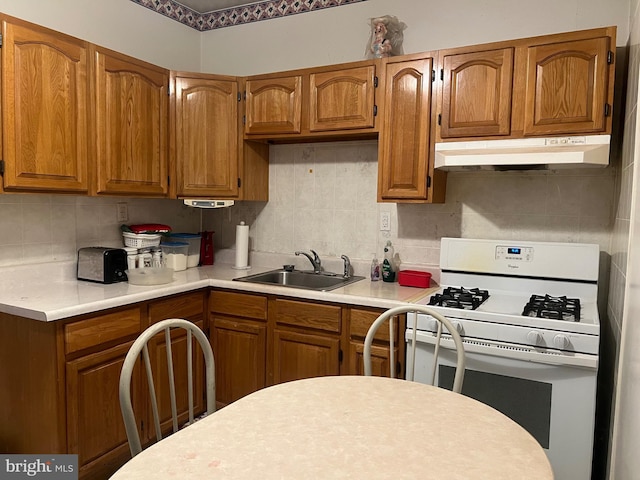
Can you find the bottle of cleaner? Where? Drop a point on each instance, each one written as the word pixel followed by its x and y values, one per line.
pixel 388 270
pixel 375 269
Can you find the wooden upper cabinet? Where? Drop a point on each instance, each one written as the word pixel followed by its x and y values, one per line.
pixel 274 105
pixel 567 87
pixel 477 93
pixel 206 135
pixel 131 125
pixel 342 99
pixel 403 150
pixel 44 109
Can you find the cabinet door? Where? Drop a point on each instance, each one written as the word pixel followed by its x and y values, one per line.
pixel 44 109
pixel 206 135
pixel 274 105
pixel 304 355
pixel 567 87
pixel 476 94
pixel 360 319
pixel 95 430
pixel 240 347
pixel 132 100
pixel 380 359
pixel 342 99
pixel 403 152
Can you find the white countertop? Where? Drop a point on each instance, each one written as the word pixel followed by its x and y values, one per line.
pixel 347 427
pixel 49 292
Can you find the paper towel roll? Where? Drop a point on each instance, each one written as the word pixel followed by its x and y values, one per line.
pixel 242 246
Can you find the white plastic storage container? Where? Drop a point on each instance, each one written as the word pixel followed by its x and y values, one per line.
pixel 174 255
pixel 193 239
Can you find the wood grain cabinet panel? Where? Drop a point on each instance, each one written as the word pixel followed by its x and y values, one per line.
pixel 477 93
pixel 239 346
pixel 300 355
pixel 274 105
pixel 206 136
pixel 131 125
pixel 403 150
pixel 100 329
pixel 342 99
pixel 567 87
pixel 95 430
pixel 45 114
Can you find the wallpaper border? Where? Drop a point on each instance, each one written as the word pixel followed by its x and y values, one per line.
pixel 254 12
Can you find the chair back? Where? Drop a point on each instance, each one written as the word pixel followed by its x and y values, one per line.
pixel 140 346
pixel 411 344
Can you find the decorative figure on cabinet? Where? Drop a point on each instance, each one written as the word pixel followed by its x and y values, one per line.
pixel 386 37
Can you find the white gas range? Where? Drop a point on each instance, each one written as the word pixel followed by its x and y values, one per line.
pixel 527 312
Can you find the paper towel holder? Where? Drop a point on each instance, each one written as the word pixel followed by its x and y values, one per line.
pixel 242 248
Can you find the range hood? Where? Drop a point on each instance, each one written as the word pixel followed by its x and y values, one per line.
pixel 524 154
pixel 207 203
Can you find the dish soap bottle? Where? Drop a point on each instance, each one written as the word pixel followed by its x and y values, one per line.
pixel 388 270
pixel 375 269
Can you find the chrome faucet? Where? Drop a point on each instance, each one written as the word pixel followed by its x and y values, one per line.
pixel 315 261
pixel 347 266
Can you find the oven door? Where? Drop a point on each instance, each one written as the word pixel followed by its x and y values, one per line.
pixel 554 402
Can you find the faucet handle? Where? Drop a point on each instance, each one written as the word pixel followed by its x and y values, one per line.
pixel 316 258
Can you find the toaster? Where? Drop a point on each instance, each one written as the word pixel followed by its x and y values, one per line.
pixel 102 264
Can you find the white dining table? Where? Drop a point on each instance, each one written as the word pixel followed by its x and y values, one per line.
pixel 347 427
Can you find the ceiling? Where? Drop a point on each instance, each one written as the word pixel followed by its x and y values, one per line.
pixel 204 6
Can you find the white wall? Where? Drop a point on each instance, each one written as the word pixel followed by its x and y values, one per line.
pixel 625 281
pixel 336 35
pixel 120 25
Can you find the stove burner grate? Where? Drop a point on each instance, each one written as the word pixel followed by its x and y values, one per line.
pixel 460 297
pixel 554 308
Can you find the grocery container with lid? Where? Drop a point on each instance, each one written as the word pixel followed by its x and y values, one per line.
pixel 193 239
pixel 174 255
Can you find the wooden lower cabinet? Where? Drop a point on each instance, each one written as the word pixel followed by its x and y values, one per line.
pixel 360 319
pixel 299 355
pixel 59 383
pixel 95 430
pixel 239 342
pixel 239 346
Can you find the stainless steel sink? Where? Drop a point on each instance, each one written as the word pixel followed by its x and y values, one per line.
pixel 300 279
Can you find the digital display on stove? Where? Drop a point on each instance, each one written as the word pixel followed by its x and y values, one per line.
pixel 514 251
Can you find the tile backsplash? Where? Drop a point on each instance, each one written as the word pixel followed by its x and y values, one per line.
pixel 323 197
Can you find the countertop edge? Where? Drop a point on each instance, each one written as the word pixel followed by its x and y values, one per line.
pixel 373 295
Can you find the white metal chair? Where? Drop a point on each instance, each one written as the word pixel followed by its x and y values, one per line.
pixel 140 346
pixel 411 345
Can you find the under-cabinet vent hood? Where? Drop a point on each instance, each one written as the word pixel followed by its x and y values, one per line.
pixel 524 154
pixel 207 203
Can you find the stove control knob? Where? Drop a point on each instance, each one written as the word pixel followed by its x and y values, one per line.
pixel 535 337
pixel 561 341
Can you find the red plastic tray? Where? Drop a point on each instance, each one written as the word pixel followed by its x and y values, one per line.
pixel 414 278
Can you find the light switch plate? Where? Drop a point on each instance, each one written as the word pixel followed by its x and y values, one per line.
pixel 122 212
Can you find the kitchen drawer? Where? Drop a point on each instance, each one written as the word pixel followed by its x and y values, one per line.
pixel 238 304
pixel 189 306
pixel 361 320
pixel 309 315
pixel 101 329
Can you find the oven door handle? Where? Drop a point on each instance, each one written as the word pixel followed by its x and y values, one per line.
pixel 510 350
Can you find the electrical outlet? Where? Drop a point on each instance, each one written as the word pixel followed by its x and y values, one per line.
pixel 122 212
pixel 385 221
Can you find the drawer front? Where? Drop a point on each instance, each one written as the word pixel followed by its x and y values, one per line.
pixel 239 304
pixel 189 306
pixel 310 315
pixel 361 320
pixel 101 329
